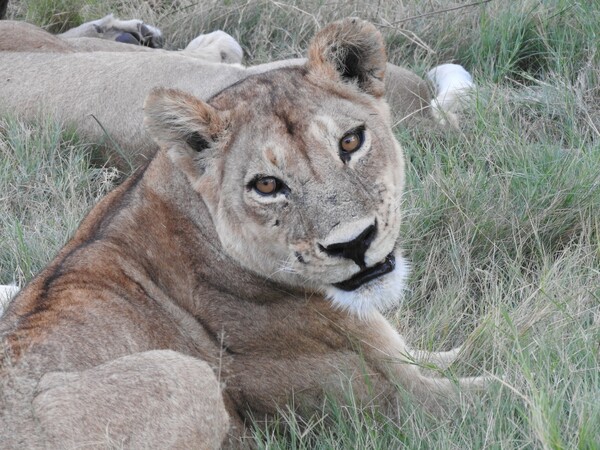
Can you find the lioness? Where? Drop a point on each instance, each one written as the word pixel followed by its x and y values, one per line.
pixel 261 241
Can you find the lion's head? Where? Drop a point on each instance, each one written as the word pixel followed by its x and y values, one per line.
pixel 299 168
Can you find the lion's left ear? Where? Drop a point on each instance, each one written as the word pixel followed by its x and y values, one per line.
pixel 349 51
pixel 175 118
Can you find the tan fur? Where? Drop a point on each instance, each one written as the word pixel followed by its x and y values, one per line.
pixel 186 257
pixel 100 36
pixel 179 407
pixel 23 37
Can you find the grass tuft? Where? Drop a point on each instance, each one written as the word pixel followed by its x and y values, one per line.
pixel 47 185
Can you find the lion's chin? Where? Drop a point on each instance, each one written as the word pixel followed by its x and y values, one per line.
pixel 375 290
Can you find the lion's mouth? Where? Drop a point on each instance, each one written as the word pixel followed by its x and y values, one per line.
pixel 369 274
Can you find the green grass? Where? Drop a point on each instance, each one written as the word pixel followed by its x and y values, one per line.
pixel 502 220
pixel 46 186
pixel 55 16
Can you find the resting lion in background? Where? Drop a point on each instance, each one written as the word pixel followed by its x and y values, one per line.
pixel 99 85
pixel 241 270
pixel 110 34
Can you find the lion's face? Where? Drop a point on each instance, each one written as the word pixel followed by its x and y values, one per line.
pixel 300 170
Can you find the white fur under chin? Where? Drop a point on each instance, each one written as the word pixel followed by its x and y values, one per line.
pixel 377 296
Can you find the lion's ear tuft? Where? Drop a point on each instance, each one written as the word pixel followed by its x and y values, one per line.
pixel 350 50
pixel 197 142
pixel 173 118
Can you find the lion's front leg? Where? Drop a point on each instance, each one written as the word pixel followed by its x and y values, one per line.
pixel 132 31
pixel 155 399
pixel 441 360
pixel 386 349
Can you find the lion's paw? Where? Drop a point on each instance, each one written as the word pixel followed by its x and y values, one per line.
pixel 132 31
pixel 158 399
pixel 217 46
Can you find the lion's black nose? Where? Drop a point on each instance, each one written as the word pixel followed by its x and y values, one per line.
pixel 354 249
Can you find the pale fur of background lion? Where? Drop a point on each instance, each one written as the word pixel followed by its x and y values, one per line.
pixel 99 85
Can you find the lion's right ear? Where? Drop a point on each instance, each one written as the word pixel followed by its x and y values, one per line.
pixel 176 118
pixel 350 51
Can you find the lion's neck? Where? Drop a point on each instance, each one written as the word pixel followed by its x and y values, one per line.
pixel 173 230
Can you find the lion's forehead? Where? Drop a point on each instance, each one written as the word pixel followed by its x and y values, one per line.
pixel 285 100
pixel 283 89
pixel 300 145
pixel 284 126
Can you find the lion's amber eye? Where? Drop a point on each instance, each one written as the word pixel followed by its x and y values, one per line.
pixel 267 185
pixel 351 142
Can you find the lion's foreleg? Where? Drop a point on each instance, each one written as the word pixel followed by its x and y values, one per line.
pixel 386 349
pixel 132 31
pixel 155 399
pixel 441 360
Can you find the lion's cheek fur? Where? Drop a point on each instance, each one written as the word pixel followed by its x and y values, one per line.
pixel 251 246
pixel 398 168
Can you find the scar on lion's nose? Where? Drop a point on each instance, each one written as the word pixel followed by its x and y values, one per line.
pixel 354 249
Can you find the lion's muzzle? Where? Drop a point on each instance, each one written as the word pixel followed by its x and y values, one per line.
pixel 369 274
